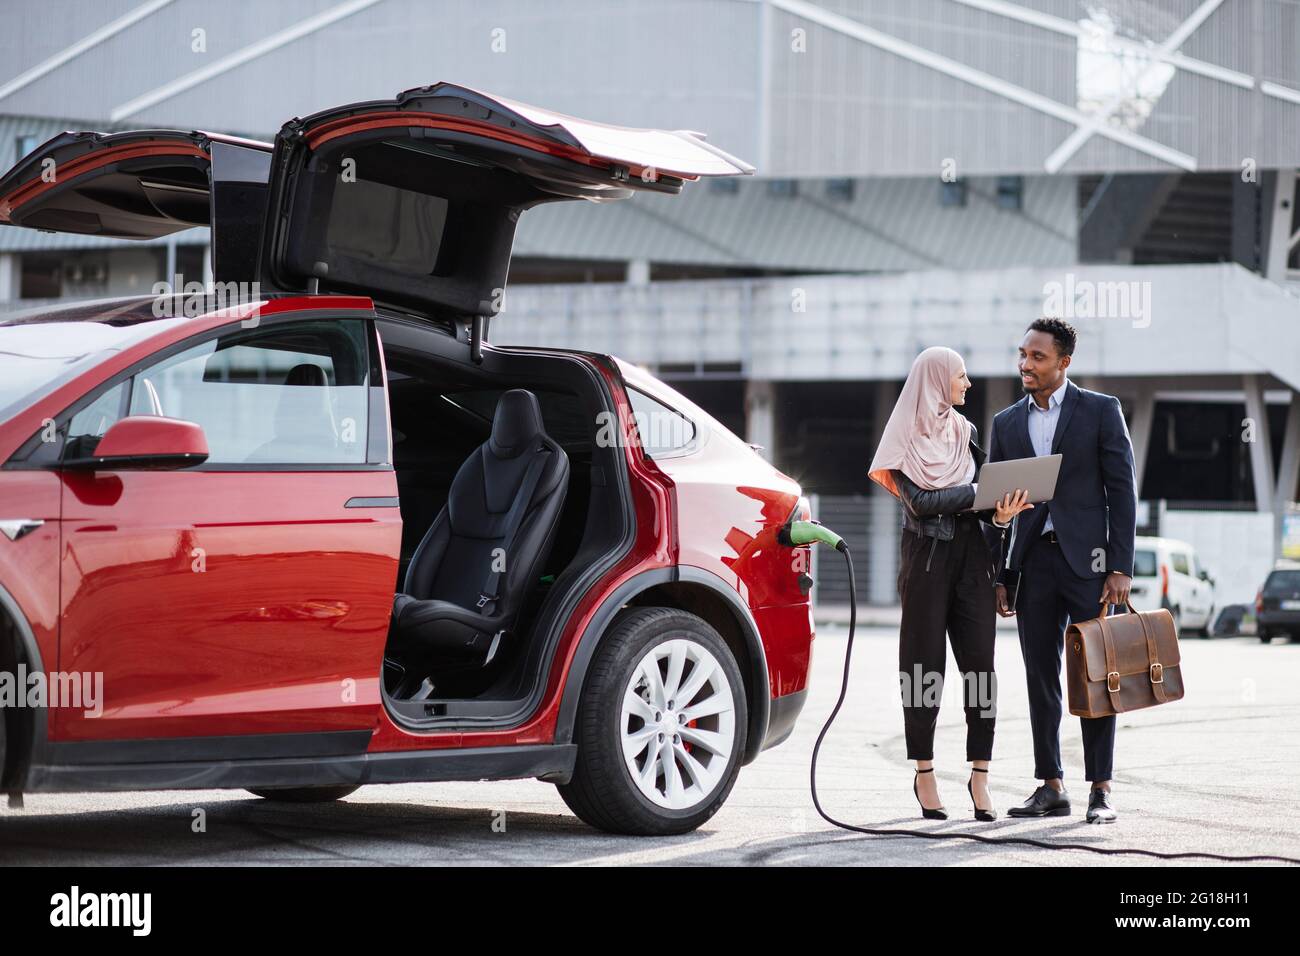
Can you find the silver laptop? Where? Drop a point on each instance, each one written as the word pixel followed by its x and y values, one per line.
pixel 1000 478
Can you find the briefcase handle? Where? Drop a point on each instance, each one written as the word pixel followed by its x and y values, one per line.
pixel 1127 604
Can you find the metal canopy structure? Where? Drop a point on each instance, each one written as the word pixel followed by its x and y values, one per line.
pixel 825 88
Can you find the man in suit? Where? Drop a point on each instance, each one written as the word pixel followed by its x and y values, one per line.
pixel 1070 557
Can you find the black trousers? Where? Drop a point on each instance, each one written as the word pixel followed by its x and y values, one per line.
pixel 947 587
pixel 1051 596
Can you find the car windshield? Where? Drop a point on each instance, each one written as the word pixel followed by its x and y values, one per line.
pixel 39 352
pixel 1282 582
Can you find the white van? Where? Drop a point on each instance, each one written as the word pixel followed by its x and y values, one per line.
pixel 1167 573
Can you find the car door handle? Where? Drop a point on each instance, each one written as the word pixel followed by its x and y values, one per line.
pixel 387 502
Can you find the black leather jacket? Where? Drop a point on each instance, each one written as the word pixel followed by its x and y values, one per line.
pixel 933 513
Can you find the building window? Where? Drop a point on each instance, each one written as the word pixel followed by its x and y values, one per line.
pixel 1010 191
pixel 839 189
pixel 24 144
pixel 725 185
pixel 782 188
pixel 952 194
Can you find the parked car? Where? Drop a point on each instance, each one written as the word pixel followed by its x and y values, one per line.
pixel 1277 606
pixel 332 537
pixel 1168 574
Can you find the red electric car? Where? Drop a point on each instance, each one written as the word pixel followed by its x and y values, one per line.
pixel 327 536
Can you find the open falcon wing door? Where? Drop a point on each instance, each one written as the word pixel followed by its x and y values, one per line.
pixel 145 184
pixel 415 200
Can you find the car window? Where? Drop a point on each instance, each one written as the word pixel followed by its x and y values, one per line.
pixel 1179 560
pixel 1282 582
pixel 38 355
pixel 287 394
pixel 1144 564
pixel 563 413
pixel 663 431
pixel 87 426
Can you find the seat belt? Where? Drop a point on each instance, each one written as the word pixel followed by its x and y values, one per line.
pixel 487 599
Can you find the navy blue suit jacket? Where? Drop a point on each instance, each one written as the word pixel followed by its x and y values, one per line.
pixel 1094 509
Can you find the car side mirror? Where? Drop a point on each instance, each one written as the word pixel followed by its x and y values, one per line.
pixel 141 442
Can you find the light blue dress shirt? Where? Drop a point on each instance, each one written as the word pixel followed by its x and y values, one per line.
pixel 1042 429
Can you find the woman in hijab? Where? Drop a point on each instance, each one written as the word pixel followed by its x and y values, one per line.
pixel 929 459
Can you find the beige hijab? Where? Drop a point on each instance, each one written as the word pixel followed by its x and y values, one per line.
pixel 926 438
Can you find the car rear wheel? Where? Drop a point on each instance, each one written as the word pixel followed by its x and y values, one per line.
pixel 1265 637
pixel 661 727
pixel 304 794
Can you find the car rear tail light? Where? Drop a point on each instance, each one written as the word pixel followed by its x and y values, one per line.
pixel 1259 601
pixel 1164 580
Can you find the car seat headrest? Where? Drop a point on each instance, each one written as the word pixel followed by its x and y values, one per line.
pixel 517 424
pixel 304 412
pixel 306 374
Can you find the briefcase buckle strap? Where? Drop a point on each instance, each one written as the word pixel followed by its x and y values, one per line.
pixel 1157 673
pixel 1112 682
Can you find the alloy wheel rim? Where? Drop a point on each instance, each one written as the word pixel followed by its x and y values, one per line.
pixel 677 726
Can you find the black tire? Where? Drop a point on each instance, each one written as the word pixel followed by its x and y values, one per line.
pixel 304 794
pixel 1265 637
pixel 602 792
pixel 1207 631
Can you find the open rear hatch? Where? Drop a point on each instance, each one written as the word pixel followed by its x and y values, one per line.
pixel 143 185
pixel 415 200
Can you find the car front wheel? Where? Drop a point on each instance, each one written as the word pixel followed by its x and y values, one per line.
pixel 661 727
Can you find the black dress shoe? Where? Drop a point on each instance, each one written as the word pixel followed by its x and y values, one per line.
pixel 1099 808
pixel 1045 802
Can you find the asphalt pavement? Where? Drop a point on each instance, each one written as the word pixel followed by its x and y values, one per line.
pixel 1218 771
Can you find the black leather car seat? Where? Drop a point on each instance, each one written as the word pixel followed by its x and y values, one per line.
pixel 473 570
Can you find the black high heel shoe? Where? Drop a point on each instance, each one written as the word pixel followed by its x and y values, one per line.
pixel 926 812
pixel 984 816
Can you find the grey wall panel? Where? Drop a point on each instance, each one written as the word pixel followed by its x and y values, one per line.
pixel 158 50
pixel 1279 41
pixel 681 63
pixel 845 107
pixel 34 32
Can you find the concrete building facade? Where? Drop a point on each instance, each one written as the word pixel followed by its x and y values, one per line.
pixel 929 172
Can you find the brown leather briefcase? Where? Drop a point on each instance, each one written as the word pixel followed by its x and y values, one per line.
pixel 1123 662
